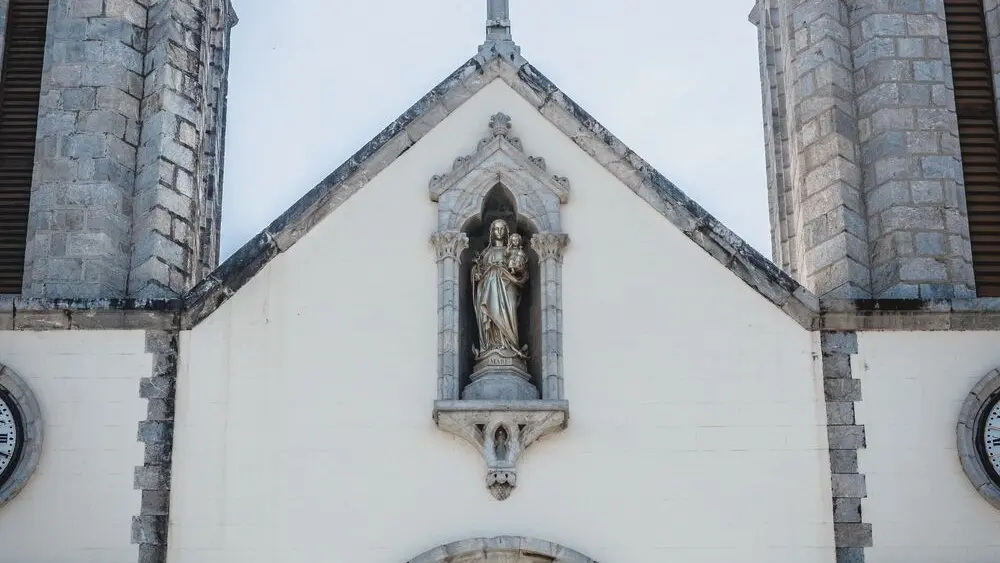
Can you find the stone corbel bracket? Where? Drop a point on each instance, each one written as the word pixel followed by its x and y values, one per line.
pixel 501 431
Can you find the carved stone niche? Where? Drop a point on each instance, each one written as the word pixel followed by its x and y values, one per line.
pixel 500 400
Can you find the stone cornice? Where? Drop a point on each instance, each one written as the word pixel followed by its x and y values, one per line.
pixel 908 314
pixel 89 314
pixel 834 314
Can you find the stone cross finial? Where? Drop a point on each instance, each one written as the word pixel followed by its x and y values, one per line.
pixel 498 20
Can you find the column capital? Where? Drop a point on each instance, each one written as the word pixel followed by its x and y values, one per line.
pixel 449 244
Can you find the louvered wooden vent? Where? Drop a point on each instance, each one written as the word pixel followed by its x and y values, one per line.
pixel 20 82
pixel 977 129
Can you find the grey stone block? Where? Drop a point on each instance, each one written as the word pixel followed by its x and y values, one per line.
pixel 850 555
pixel 149 529
pixel 843 461
pixel 836 366
pixel 500 387
pixel 155 503
pixel 155 431
pixel 842 389
pixel 839 342
pixel 152 478
pixel 156 388
pixel 847 437
pixel 839 413
pixel 158 453
pixel 852 534
pixel 847 510
pixel 848 485
pixel 150 553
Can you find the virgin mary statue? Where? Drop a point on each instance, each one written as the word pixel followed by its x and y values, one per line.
pixel 499 273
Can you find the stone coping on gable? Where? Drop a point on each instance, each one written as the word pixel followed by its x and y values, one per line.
pixel 592 137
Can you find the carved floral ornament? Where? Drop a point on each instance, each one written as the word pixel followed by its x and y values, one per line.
pixel 501 405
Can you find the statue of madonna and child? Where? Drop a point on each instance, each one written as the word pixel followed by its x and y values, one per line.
pixel 499 276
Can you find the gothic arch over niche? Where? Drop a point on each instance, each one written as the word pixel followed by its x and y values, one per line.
pixel 507 549
pixel 505 407
pixel 500 167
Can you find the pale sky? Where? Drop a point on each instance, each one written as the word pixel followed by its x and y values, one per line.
pixel 311 81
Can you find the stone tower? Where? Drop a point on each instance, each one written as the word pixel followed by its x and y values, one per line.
pixel 116 174
pixel 869 192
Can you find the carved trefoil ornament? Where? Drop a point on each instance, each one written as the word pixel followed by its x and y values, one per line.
pixel 499 248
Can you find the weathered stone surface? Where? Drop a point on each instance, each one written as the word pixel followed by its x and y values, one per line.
pixel 114 69
pixel 149 527
pixel 862 156
pixel 843 461
pixel 852 534
pixel 845 437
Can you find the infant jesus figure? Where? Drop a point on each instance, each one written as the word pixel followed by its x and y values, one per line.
pixel 517 258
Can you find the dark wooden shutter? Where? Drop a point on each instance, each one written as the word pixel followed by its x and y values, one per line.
pixel 977 130
pixel 20 83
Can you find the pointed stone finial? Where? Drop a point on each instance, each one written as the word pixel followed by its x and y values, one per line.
pixel 498 38
pixel 498 20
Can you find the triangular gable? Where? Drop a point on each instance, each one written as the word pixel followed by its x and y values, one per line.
pixel 700 226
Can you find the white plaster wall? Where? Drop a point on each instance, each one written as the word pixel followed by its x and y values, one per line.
pixel 922 507
pixel 304 428
pixel 79 504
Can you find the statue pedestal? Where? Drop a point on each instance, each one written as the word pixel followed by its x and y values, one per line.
pixel 500 376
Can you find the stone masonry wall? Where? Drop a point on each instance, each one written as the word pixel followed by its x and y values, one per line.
pixel 222 19
pixel 767 18
pixel 176 187
pixel 88 130
pixel 833 256
pixel 877 205
pixel 129 102
pixel 910 151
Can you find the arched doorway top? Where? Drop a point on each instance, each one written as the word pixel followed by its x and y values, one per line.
pixel 504 549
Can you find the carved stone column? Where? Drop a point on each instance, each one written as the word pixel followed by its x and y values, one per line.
pixel 549 247
pixel 449 246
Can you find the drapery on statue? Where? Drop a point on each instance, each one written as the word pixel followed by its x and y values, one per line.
pixel 499 273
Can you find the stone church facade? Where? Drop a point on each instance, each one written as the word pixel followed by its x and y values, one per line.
pixel 497 334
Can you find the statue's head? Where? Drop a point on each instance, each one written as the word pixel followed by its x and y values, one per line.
pixel 515 239
pixel 499 230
